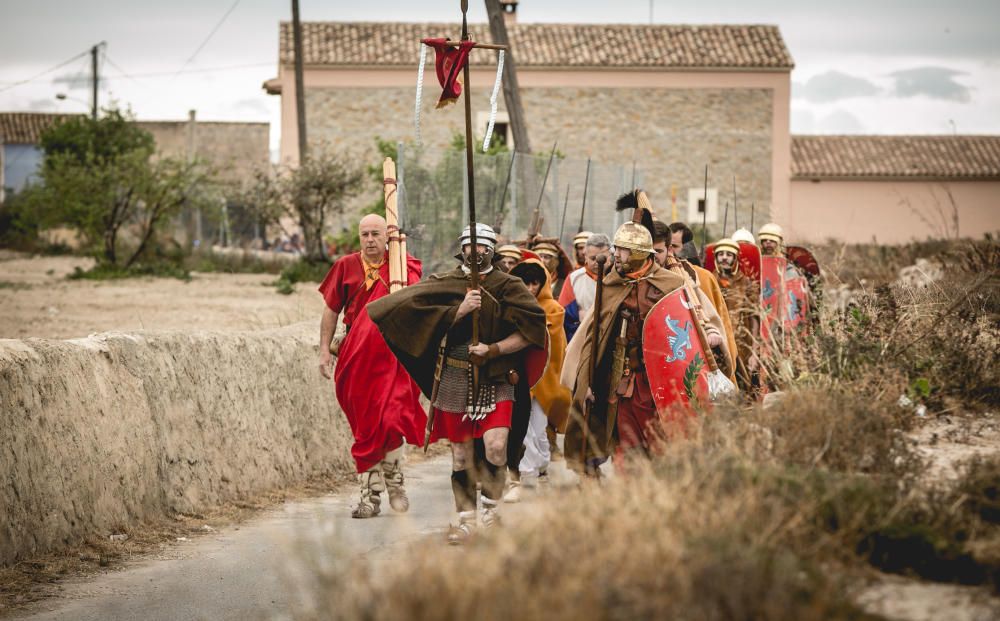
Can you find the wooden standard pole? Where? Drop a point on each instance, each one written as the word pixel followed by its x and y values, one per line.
pixel 397 278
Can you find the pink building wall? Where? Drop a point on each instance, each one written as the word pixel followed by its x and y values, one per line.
pixel 891 211
pixel 777 81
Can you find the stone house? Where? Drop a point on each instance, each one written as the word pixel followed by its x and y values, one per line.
pixel 672 99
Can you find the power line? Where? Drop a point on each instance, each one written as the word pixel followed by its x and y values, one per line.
pixel 209 37
pixel 47 71
pixel 176 73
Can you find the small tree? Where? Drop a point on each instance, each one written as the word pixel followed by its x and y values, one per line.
pixel 307 194
pixel 100 176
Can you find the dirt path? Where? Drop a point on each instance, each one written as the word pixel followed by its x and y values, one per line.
pixel 246 572
pixel 36 300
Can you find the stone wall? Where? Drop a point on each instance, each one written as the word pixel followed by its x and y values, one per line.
pixel 670 133
pixel 236 150
pixel 101 433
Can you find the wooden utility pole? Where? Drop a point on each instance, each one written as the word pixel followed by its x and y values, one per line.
pixel 94 81
pixel 511 91
pixel 300 92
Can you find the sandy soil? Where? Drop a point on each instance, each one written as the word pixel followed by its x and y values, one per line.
pixel 36 300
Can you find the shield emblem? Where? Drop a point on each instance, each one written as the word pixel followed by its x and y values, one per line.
pixel 797 300
pixel 675 360
pixel 773 299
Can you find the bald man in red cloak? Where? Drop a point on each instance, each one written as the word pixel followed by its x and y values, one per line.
pixel 378 397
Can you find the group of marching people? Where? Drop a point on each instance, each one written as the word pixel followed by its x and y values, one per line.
pixel 520 344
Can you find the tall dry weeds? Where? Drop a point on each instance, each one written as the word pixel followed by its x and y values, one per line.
pixel 753 513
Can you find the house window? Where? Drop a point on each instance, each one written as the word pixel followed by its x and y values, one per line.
pixel 501 128
pixel 500 132
pixel 698 210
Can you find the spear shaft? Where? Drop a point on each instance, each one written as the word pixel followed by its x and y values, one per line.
pixel 562 223
pixel 583 209
pixel 469 171
pixel 704 215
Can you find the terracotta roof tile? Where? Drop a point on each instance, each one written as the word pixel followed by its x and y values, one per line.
pixel 950 157
pixel 27 127
pixel 549 45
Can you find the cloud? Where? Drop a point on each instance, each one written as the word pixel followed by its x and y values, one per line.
pixel 933 82
pixel 833 86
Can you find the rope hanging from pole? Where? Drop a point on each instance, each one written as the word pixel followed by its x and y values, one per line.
pixel 420 92
pixel 493 103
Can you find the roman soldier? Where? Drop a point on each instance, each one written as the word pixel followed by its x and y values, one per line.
pixel 668 245
pixel 555 261
pixel 378 397
pixel 479 388
pixel 579 244
pixel 742 295
pixel 615 406
pixel 577 295
pixel 508 256
pixel 771 240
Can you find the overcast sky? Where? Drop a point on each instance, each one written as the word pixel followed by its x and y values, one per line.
pixel 862 66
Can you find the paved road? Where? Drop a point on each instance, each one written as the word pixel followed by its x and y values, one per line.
pixel 242 574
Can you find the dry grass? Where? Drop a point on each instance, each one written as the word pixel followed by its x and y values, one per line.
pixel 754 513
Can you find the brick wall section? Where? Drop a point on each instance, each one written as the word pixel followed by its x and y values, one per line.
pixel 672 133
pixel 235 149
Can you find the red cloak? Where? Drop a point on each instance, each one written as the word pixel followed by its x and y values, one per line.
pixel 379 398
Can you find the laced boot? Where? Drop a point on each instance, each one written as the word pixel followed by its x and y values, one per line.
pixel 371 487
pixel 392 473
pixel 491 515
pixel 458 535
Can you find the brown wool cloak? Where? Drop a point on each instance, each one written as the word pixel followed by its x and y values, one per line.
pixel 415 319
pixel 576 372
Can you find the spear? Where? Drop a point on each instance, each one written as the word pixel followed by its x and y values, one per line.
pixel 704 216
pixel 595 346
pixel 562 224
pixel 473 242
pixel 736 212
pixel 586 182
pixel 541 194
pixel 498 221
pixel 725 219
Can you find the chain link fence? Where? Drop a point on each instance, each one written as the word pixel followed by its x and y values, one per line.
pixel 510 189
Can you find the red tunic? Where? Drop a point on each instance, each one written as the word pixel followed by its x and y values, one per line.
pixel 378 396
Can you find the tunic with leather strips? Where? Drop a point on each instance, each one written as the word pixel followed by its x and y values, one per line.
pixel 414 321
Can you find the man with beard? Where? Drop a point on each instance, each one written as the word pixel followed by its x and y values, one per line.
pixel 621 407
pixel 476 390
pixel 668 245
pixel 771 240
pixel 742 295
pixel 378 397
